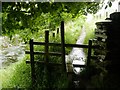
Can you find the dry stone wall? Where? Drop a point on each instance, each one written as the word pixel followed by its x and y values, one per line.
pixel 107 37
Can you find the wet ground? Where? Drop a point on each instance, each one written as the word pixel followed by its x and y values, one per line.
pixel 77 56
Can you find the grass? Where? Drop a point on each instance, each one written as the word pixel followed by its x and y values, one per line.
pixel 72 31
pixel 89 28
pixel 19 73
pixel 16 75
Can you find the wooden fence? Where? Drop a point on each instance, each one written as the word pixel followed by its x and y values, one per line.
pixel 46 53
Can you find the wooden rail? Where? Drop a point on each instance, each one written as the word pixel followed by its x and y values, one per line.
pixel 67 45
pixel 46 54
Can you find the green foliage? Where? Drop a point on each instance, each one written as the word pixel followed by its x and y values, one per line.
pixel 19 73
pixel 54 78
pixel 34 16
pixel 73 29
pixel 16 75
pixel 30 21
pixel 89 28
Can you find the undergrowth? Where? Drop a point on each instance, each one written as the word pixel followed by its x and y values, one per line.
pixel 89 28
pixel 18 75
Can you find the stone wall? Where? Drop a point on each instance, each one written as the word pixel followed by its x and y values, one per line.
pixel 107 36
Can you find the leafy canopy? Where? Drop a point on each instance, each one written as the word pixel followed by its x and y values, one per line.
pixel 35 15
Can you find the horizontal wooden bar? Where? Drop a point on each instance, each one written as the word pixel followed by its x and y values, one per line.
pixel 76 45
pixel 78 65
pixel 39 43
pixel 55 53
pixel 59 44
pixel 43 43
pixel 43 53
pixel 66 45
pixel 42 62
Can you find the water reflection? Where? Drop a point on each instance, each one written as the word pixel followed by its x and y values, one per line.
pixel 10 53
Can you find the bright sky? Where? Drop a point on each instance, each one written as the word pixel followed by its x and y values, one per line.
pixel 89 17
pixel 111 9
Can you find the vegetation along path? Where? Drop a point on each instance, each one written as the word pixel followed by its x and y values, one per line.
pixel 77 55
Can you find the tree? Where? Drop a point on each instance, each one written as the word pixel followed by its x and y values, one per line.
pixel 21 15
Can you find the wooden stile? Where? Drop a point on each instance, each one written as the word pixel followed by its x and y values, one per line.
pixel 46 53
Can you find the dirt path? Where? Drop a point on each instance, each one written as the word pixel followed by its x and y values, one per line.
pixel 79 51
pixel 77 56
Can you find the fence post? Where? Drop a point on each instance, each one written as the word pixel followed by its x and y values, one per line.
pixel 47 57
pixel 46 46
pixel 57 30
pixel 32 63
pixel 89 52
pixel 53 35
pixel 63 45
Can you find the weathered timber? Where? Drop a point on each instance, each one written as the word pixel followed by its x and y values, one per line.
pixel 57 30
pixel 89 52
pixel 46 54
pixel 53 34
pixel 43 53
pixel 47 58
pixel 32 64
pixel 66 45
pixel 63 45
pixel 42 62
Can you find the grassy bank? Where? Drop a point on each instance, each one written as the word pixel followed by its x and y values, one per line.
pixel 16 75
pixel 19 73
